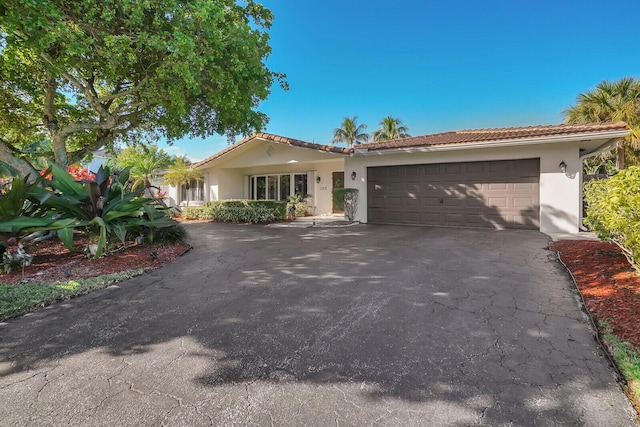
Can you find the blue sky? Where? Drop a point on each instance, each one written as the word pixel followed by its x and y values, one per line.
pixel 437 65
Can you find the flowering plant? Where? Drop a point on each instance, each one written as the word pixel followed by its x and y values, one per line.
pixel 77 174
pixel 5 186
pixel 15 257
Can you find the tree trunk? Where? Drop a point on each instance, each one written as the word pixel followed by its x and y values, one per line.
pixel 60 154
pixel 620 156
pixel 17 163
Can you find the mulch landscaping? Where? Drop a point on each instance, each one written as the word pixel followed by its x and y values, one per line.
pixel 609 284
pixel 52 262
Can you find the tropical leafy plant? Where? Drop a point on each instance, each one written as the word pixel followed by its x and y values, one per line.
pixel 104 208
pixel 299 204
pixel 391 128
pixel 144 160
pixel 181 173
pixel 350 132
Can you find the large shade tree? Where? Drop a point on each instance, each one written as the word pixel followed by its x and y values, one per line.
pixel 611 101
pixel 390 128
pixel 84 74
pixel 350 132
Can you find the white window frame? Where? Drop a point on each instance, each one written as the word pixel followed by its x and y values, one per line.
pixel 253 183
pixel 196 187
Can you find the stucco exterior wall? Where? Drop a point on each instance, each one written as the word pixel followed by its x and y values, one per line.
pixel 559 192
pixel 227 182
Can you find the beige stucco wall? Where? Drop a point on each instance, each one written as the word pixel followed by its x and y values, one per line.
pixel 559 192
pixel 228 177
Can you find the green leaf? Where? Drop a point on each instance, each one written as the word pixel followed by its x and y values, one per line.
pixel 66 236
pixel 65 183
pixel 120 230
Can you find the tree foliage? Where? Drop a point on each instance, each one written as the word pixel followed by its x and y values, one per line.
pixel 612 101
pixel 79 75
pixel 613 210
pixel 391 128
pixel 144 161
pixel 350 132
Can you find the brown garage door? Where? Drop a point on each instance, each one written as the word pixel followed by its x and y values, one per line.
pixel 496 194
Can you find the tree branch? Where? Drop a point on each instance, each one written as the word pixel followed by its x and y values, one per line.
pixel 18 163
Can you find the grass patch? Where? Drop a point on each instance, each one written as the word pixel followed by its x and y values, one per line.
pixel 18 299
pixel 628 360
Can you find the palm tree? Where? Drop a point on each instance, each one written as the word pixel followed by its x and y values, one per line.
pixel 181 174
pixel 391 128
pixel 145 160
pixel 350 132
pixel 611 101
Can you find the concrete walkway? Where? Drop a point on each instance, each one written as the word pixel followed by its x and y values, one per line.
pixel 361 325
pixel 327 220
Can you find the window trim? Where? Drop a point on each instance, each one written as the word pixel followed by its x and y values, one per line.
pixel 253 188
pixel 198 186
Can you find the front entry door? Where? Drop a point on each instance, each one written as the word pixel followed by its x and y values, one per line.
pixel 338 182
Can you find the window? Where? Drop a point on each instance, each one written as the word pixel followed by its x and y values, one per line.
pixel 277 186
pixel 300 184
pixel 285 187
pixel 195 192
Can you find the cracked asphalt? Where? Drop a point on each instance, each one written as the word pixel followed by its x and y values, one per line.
pixel 364 325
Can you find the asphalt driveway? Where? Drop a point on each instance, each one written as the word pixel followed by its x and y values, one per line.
pixel 364 325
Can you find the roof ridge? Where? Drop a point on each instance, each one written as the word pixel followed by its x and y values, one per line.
pixel 274 138
pixel 543 127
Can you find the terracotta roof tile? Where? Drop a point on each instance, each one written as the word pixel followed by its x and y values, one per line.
pixel 496 134
pixel 469 136
pixel 278 139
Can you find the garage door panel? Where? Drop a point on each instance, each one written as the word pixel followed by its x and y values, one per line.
pixel 523 202
pixel 502 186
pixel 500 194
pixel 430 201
pixel 453 169
pixel 498 202
pixel 432 170
pixel 525 186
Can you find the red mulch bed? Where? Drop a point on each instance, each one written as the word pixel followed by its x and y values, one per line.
pixel 52 262
pixel 609 285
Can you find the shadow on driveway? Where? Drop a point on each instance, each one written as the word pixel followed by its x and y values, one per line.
pixel 360 325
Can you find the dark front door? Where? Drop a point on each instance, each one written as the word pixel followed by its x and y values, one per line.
pixel 337 179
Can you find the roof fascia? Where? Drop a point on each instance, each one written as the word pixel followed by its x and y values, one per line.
pixel 258 139
pixel 616 134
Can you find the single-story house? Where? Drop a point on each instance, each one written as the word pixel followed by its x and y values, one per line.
pixel 522 177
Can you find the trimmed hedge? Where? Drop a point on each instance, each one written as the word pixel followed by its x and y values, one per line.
pixel 346 200
pixel 253 211
pixel 613 211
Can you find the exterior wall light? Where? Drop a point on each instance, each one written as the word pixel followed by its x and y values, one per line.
pixel 563 167
pixel 353 175
pixel 318 180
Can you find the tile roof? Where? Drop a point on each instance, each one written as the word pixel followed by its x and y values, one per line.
pixel 278 139
pixel 497 134
pixel 469 136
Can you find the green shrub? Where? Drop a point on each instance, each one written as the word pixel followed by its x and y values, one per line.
pixel 253 211
pixel 346 199
pixel 613 210
pixel 205 212
pixel 165 236
pixel 299 205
